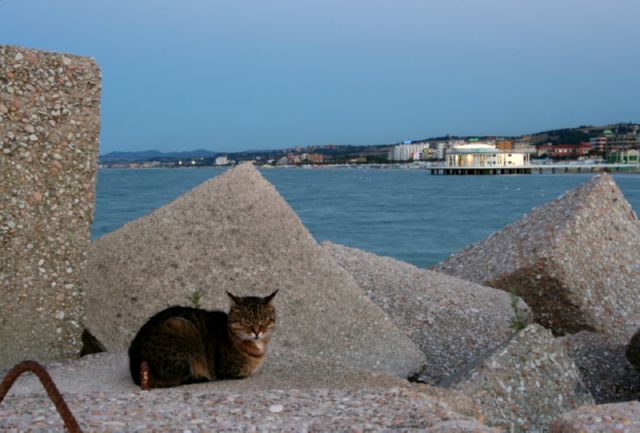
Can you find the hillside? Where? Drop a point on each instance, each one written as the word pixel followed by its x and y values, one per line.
pixel 373 153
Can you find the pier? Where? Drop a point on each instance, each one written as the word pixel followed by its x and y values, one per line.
pixel 536 168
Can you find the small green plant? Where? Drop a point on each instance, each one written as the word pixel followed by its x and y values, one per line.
pixel 518 321
pixel 195 298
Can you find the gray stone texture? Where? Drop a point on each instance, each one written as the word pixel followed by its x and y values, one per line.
pixel 606 418
pixel 49 126
pixel 108 372
pixel 295 392
pixel 451 320
pixel 605 371
pixel 236 233
pixel 575 261
pixel 524 385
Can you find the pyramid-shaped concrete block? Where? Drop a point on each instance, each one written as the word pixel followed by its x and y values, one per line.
pixel 575 261
pixel 524 385
pixel 451 320
pixel 236 233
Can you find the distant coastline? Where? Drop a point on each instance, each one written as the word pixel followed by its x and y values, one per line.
pixel 536 168
pixel 613 143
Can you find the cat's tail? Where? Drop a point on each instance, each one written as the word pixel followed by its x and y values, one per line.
pixel 140 373
pixel 145 376
pixel 147 380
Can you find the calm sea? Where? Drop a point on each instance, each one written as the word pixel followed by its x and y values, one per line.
pixel 406 214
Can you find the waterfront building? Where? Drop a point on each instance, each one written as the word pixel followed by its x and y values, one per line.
pixel 598 144
pixel 564 150
pixel 409 152
pixel 630 156
pixel 504 144
pixel 484 155
pixel 294 159
pixel 282 161
pixel 222 160
pixel 623 142
pixel 524 147
pixel 440 151
pixel 313 158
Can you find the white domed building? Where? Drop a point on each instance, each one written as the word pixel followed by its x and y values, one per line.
pixel 480 158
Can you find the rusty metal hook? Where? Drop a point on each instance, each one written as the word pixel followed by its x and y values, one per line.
pixel 54 394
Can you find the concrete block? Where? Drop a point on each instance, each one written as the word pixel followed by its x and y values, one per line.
pixel 49 126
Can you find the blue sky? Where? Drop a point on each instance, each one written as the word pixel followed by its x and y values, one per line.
pixel 247 74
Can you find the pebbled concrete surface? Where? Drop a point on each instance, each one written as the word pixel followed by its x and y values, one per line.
pixel 49 135
pixel 299 394
pixel 451 320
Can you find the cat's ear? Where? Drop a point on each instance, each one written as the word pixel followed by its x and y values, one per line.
pixel 268 299
pixel 235 299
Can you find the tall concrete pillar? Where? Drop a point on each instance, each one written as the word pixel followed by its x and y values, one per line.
pixel 49 127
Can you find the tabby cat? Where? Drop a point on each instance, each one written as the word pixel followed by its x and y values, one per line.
pixel 182 345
